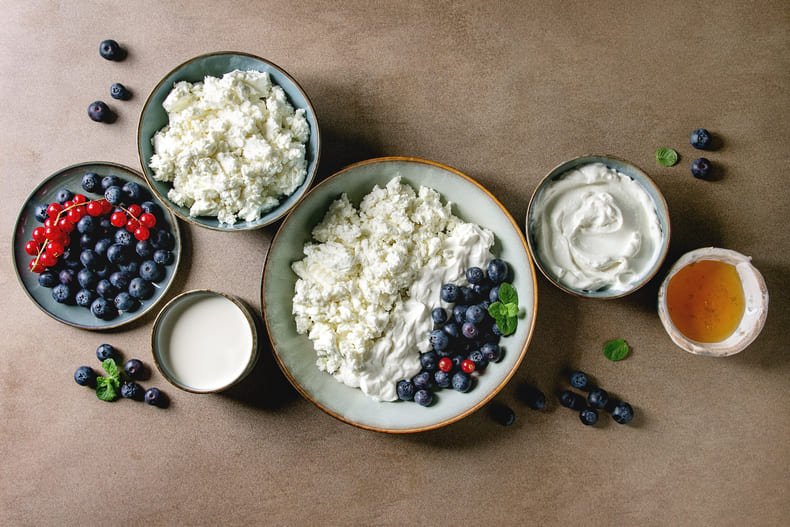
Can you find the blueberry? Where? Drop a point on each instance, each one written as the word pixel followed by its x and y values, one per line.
pixel 99 111
pixel 493 295
pixel 106 290
pixel 152 271
pixel 700 139
pixel 429 361
pixel 120 280
pixel 468 296
pixel 109 181
pixel 66 276
pixel 101 247
pixel 40 213
pixel 106 351
pixel 87 241
pixel 532 396
pixel 111 50
pixel 84 298
pixel 47 279
pixel 87 278
pixel 63 195
pixel 439 315
pixel 134 191
pixel 457 360
pixel 124 237
pixel 459 313
pixel 469 330
pixel 497 271
pixel 588 416
pixel 700 168
pixel 124 302
pixel 449 293
pixel 482 290
pixel 579 380
pixel 144 249
pixel 103 272
pixel 461 382
pixel 474 314
pixel 120 92
pixel 62 294
pixel 85 376
pixel 90 182
pixel 442 379
pixel 479 359
pixel 114 195
pixel 117 254
pixel 141 289
pixel 90 259
pixel 422 381
pixel 163 240
pixel 423 397
pixel 132 390
pixel 71 258
pixel 502 414
pixel 474 275
pixel 491 351
pixel 572 400
pixel 103 309
pixel 130 268
pixel 452 330
pixel 87 225
pixel 134 368
pixel 151 208
pixel 438 338
pixel 154 397
pixel 622 413
pixel 597 398
pixel 405 390
pixel 105 227
pixel 495 330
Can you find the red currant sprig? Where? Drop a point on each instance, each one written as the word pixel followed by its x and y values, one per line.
pixel 136 221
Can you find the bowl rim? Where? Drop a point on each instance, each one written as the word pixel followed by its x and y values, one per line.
pixel 156 328
pixel 309 178
pixel 487 398
pixel 664 246
pixel 138 315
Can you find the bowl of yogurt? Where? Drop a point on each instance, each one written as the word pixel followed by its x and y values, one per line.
pixel 204 341
pixel 228 141
pixel 598 227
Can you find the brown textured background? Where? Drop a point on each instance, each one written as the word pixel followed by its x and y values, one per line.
pixel 504 92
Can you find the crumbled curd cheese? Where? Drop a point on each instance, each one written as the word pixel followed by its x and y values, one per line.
pixel 365 290
pixel 233 148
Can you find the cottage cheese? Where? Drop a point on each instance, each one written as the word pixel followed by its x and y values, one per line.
pixel 233 148
pixel 366 288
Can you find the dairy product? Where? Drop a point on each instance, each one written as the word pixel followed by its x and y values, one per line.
pixel 233 147
pixel 596 229
pixel 206 342
pixel 366 288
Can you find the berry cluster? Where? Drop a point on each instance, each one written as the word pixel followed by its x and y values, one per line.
pixel 91 244
pixel 462 343
pixel 597 399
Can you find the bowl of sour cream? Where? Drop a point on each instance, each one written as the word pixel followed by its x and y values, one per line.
pixel 598 227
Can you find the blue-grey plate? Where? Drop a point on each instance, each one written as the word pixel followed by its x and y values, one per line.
pixel 153 118
pixel 71 178
pixel 295 353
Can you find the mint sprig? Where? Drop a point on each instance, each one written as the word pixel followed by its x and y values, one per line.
pixel 616 349
pixel 107 387
pixel 666 156
pixel 505 310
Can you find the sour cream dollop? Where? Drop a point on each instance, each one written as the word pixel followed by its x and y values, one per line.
pixel 596 229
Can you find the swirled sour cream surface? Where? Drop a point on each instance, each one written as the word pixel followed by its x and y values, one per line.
pixel 367 286
pixel 596 229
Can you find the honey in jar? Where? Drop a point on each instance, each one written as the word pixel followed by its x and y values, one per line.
pixel 705 300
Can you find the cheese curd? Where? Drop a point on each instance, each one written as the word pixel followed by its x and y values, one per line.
pixel 233 147
pixel 366 288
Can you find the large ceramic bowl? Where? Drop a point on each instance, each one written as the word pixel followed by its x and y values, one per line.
pixel 153 118
pixel 294 352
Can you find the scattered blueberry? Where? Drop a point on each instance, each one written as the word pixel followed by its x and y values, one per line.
pixel 41 213
pixel 502 414
pixel 461 382
pixel 154 397
pixel 85 376
pixel 110 181
pixel 141 289
pixel 438 315
pixel 422 381
pixel 134 368
pixel 132 390
pixel 450 293
pixel 100 112
pixel 700 168
pixel 91 182
pixel 597 398
pixel 497 271
pixel 532 396
pixel 151 271
pixel 114 195
pixel 572 400
pixel 622 413
pixel 111 50
pixel 84 297
pixel 405 390
pixel 63 195
pixel 442 379
pixel 491 351
pixel 61 293
pixel 423 397
pixel 474 275
pixel 47 279
pixel 119 91
pixel 588 416
pixel 106 351
pixel 474 314
pixel 429 361
pixel 579 380
pixel 700 139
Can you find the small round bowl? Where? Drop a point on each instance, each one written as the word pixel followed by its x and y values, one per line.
pixel 637 175
pixel 295 354
pixel 755 310
pixel 164 325
pixel 153 118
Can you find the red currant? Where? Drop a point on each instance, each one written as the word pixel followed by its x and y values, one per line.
pixel 94 208
pixel 68 204
pixel 135 210
pixel 106 207
pixel 65 225
pixel 142 233
pixel 52 233
pixel 35 267
pixel 38 234
pixel 148 219
pixel 47 260
pixel 79 198
pixel 55 248
pixel 467 366
pixel 118 219
pixel 74 215
pixel 31 248
pixel 446 364
pixel 49 222
pixel 53 209
pixel 132 224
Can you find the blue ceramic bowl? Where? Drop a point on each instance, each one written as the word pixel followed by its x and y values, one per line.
pixel 153 118
pixel 295 353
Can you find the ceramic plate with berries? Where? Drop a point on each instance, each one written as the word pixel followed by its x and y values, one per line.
pixel 470 359
pixel 93 248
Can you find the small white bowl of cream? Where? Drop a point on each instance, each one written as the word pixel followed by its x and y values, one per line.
pixel 204 341
pixel 598 227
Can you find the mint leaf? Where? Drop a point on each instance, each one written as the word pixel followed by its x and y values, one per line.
pixel 496 310
pixel 107 388
pixel 511 310
pixel 666 156
pixel 507 294
pixel 112 370
pixel 507 326
pixel 616 349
